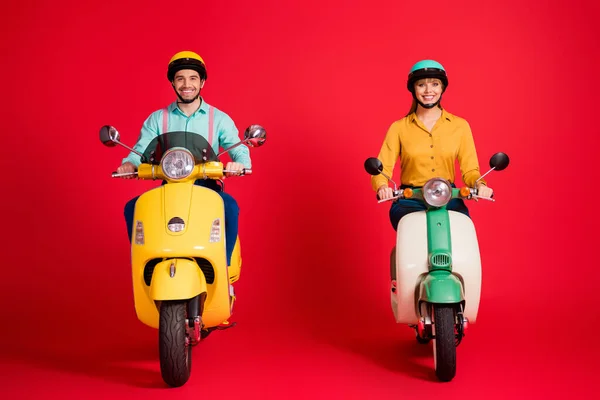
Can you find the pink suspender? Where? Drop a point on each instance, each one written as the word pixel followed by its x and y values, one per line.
pixel 165 120
pixel 211 123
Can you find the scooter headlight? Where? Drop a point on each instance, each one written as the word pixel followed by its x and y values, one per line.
pixel 437 192
pixel 177 163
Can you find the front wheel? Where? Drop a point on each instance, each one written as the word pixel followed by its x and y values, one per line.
pixel 444 346
pixel 174 350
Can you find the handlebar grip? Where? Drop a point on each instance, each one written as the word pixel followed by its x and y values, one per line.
pixel 398 194
pixel 247 171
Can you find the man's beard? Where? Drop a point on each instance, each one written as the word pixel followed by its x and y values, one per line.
pixel 188 100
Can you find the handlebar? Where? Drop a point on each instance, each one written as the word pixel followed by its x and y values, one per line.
pixel 397 195
pixel 400 194
pixel 117 175
pixel 245 171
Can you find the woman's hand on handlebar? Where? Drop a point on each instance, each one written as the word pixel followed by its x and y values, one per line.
pixel 484 191
pixel 385 192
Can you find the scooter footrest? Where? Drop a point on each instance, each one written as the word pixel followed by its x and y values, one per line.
pixel 207 331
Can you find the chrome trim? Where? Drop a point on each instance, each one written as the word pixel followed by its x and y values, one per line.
pixel 193 334
pixel 182 149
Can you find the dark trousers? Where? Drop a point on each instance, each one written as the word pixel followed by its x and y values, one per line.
pixel 232 212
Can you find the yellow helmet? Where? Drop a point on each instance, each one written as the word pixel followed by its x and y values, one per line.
pixel 186 60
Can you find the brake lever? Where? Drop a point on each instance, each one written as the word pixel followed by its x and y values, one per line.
pixel 117 175
pixel 390 199
pixel 482 198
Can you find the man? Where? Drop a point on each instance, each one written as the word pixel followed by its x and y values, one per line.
pixel 190 113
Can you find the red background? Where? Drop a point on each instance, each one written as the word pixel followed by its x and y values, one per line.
pixel 326 79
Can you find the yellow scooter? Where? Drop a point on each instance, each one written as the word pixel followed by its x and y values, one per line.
pixel 182 284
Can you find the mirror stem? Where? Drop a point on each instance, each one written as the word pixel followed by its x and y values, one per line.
pixel 231 148
pixel 129 148
pixel 481 177
pixel 390 179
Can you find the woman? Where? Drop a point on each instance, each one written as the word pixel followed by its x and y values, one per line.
pixel 428 141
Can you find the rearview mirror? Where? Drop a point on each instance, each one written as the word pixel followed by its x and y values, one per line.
pixel 373 166
pixel 109 136
pixel 255 136
pixel 499 161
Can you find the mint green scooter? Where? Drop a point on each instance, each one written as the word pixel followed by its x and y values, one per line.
pixel 436 266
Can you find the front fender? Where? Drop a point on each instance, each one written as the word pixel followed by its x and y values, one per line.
pixel 188 280
pixel 441 287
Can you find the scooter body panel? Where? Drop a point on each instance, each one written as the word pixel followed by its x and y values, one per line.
pixel 412 265
pixel 198 207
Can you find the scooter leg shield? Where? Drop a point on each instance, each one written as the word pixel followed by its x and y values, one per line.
pixel 177 279
pixel 466 261
pixel 409 262
pixel 411 266
pixel 236 262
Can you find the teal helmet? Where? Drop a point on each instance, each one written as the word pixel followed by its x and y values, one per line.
pixel 426 69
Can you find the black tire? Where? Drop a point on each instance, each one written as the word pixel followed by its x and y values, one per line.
pixel 175 356
pixel 444 342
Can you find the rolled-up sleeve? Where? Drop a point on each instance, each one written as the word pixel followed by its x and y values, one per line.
pixel 388 155
pixel 228 136
pixel 148 132
pixel 467 157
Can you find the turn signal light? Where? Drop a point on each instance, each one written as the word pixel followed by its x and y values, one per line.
pixel 408 193
pixel 139 232
pixel 465 191
pixel 215 231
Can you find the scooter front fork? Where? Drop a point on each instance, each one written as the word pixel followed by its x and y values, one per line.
pixel 421 330
pixel 193 331
pixel 462 325
pixel 425 331
pixel 194 323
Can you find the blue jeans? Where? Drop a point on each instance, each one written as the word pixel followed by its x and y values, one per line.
pixel 232 212
pixel 403 207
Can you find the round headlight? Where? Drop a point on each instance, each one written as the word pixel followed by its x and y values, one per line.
pixel 437 192
pixel 177 164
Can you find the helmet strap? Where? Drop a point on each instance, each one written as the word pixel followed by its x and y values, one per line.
pixel 426 106
pixel 182 100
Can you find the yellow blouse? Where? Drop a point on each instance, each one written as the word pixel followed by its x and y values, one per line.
pixel 425 155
